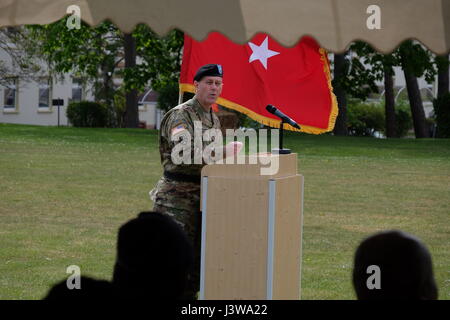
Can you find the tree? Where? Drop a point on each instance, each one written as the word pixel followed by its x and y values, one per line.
pixel 442 64
pixel 96 53
pixel 442 111
pixel 416 61
pixel 25 61
pixel 381 68
pixel 352 78
pixel 161 63
pixel 131 115
pixel 93 53
pixel 340 127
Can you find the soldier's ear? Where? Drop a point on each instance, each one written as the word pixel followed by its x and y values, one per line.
pixel 196 85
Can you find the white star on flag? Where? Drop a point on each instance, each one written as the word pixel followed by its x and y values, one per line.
pixel 261 52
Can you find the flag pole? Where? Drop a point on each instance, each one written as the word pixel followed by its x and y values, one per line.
pixel 180 97
pixel 281 134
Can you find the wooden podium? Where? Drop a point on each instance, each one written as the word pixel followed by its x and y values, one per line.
pixel 251 230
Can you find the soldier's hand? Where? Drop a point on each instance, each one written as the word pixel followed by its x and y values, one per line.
pixel 233 148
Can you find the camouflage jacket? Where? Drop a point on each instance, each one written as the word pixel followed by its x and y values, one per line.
pixel 176 126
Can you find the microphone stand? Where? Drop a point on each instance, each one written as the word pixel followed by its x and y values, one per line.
pixel 281 150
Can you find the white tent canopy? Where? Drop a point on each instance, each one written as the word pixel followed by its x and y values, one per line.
pixel 335 24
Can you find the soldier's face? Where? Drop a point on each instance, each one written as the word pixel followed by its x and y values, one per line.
pixel 208 89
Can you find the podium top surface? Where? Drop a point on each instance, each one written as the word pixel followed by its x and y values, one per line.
pixel 262 166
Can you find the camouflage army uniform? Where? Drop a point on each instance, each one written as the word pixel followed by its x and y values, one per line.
pixel 175 197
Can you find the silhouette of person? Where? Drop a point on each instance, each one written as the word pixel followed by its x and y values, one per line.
pixel 154 258
pixel 405 268
pixel 90 289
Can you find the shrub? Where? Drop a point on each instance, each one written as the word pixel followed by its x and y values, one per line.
pixel 365 119
pixel 119 106
pixel 168 96
pixel 247 122
pixel 403 118
pixel 87 114
pixel 442 112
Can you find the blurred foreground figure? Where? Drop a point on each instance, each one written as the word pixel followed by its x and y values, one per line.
pixel 393 265
pixel 90 289
pixel 154 258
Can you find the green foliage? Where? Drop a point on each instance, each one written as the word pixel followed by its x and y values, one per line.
pixel 357 80
pixel 379 63
pixel 161 60
pixel 87 114
pixel 83 50
pixel 168 96
pixel 96 53
pixel 442 62
pixel 247 122
pixel 119 105
pixel 92 53
pixel 161 64
pixel 25 59
pixel 403 118
pixel 364 119
pixel 416 59
pixel 442 113
pixel 367 65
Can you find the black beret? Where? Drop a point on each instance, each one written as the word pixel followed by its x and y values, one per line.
pixel 212 70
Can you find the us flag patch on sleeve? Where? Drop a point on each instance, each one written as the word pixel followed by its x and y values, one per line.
pixel 178 129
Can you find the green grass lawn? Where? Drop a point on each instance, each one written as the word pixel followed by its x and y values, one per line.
pixel 64 192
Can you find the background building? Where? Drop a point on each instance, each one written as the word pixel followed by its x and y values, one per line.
pixel 30 102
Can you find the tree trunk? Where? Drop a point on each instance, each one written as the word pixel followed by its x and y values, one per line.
pixel 340 127
pixel 415 101
pixel 389 104
pixel 131 116
pixel 443 76
pixel 106 92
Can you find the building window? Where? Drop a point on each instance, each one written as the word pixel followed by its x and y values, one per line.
pixel 77 89
pixel 10 95
pixel 44 93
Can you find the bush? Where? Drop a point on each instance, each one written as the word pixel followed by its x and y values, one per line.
pixel 403 118
pixel 168 96
pixel 119 105
pixel 365 119
pixel 87 114
pixel 442 112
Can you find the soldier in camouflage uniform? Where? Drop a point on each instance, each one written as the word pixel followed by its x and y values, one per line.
pixel 177 193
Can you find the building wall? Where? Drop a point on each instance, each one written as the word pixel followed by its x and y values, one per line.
pixel 27 109
pixel 149 114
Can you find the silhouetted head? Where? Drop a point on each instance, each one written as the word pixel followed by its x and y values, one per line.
pixel 88 289
pixel 405 268
pixel 154 257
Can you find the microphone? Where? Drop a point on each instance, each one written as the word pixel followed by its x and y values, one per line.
pixel 281 115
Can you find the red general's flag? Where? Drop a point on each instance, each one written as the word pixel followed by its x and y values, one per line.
pixel 295 80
